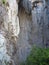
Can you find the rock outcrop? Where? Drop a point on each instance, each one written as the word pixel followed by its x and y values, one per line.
pixel 9 30
pixel 23 23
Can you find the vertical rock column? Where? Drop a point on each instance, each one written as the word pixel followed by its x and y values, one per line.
pixel 10 20
pixel 4 57
pixel 38 15
pixel 13 20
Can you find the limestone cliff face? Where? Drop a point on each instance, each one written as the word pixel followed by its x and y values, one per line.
pixel 9 30
pixel 33 25
pixel 23 23
pixel 39 24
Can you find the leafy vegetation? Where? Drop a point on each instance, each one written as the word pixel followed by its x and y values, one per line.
pixel 38 56
pixel 3 1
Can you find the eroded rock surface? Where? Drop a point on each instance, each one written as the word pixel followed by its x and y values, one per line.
pixel 9 26
pixel 23 28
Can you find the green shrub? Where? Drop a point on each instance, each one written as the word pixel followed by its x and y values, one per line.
pixel 4 1
pixel 38 56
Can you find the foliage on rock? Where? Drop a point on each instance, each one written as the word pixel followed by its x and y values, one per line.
pixel 38 56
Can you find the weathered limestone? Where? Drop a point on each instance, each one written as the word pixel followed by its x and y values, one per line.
pixel 38 23
pixel 9 31
pixel 24 36
pixel 13 20
pixel 28 5
pixel 4 57
pixel 32 31
pixel 38 11
pixel 33 28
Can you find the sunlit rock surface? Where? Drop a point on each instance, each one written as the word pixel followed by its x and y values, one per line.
pixel 4 57
pixel 9 26
pixel 13 20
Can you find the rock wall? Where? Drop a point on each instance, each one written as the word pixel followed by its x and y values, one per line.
pixel 9 30
pixel 33 25
pixel 21 28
